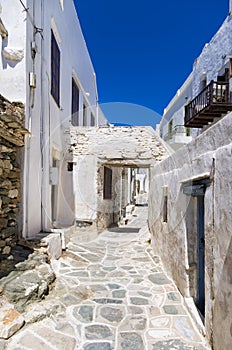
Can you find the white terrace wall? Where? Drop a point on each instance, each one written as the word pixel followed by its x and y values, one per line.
pixel 175 107
pixel 208 155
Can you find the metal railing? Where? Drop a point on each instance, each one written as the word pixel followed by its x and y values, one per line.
pixel 214 93
pixel 178 130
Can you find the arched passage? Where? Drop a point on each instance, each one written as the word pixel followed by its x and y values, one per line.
pixel 102 158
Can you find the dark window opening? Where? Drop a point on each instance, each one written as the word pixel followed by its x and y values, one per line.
pixel 170 128
pixel 92 120
pixel 165 209
pixel 85 115
pixel 107 187
pixel 55 69
pixel 203 83
pixel 75 103
pixel 225 77
pixel 70 166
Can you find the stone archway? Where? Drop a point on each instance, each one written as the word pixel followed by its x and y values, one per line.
pixel 97 151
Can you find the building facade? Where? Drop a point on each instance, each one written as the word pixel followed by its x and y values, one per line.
pixel 46 65
pixel 190 192
pixel 172 129
pixel 205 96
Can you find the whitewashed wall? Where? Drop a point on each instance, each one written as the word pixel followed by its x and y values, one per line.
pixel 212 62
pixel 116 147
pixel 45 120
pixel 175 111
pixel 183 95
pixel 214 57
pixel 13 52
pixel 210 153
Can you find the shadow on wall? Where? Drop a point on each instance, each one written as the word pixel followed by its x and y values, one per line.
pixel 124 229
pixel 223 302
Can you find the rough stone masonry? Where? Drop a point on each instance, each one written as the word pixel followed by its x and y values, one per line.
pixel 138 146
pixel 11 140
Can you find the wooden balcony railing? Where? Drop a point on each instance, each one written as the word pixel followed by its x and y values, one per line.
pixel 213 101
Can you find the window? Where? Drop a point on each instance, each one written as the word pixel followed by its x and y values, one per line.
pixel 188 132
pixel 92 120
pixel 165 204
pixel 70 166
pixel 55 69
pixel 107 186
pixel 85 123
pixel 165 209
pixel 203 83
pixel 170 128
pixel 75 103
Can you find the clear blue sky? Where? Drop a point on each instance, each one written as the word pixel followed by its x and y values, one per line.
pixel 142 51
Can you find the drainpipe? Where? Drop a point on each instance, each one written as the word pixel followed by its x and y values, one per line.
pixel 43 129
pixel 30 104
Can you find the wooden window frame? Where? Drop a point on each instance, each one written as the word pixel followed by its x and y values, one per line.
pixel 75 103
pixel 107 185
pixel 55 69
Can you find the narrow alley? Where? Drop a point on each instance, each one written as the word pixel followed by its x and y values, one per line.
pixel 110 293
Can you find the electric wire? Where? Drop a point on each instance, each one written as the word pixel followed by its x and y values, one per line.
pixel 36 29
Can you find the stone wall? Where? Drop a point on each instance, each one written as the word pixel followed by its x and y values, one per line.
pixel 209 155
pixel 138 146
pixel 108 210
pixel 92 148
pixel 11 140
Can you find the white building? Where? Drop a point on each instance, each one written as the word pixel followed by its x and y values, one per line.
pixel 172 128
pixel 191 193
pixel 46 65
pixel 205 96
pixel 211 83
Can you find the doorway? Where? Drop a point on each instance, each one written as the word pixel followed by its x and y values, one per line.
pixel 200 302
pixel 195 227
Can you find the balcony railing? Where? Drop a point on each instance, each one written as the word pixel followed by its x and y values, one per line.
pixel 213 101
pixel 178 130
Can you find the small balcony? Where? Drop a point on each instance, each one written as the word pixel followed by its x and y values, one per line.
pixel 213 101
pixel 177 130
pixel 177 136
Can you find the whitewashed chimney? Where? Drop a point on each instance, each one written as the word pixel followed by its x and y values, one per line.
pixel 230 9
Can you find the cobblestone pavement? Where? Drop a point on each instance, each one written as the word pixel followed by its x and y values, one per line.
pixel 111 293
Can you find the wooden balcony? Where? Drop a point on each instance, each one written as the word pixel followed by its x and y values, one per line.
pixel 213 101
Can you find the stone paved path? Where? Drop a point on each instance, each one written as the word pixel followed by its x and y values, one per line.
pixel 111 293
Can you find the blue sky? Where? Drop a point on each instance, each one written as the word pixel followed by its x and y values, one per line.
pixel 142 51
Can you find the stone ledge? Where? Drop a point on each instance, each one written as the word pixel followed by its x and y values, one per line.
pixel 54 245
pixel 190 305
